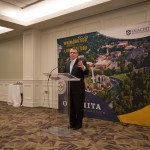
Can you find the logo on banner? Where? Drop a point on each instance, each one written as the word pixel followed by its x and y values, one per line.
pixel 138 30
pixel 61 86
pixel 128 32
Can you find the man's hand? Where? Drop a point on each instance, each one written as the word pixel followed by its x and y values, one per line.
pixel 81 65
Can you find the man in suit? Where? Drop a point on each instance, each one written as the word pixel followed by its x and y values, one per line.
pixel 79 69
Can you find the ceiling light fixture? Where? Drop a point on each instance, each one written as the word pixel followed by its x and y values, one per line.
pixel 3 29
pixel 50 7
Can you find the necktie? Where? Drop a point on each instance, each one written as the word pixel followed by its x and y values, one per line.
pixel 71 65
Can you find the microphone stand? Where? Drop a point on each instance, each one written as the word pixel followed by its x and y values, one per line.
pixel 48 88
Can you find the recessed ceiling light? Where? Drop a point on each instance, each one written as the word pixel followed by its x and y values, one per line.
pixel 4 29
pixel 50 7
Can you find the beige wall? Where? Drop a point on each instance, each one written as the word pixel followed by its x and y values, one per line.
pixel 11 55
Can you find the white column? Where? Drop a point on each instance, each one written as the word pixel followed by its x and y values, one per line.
pixel 31 67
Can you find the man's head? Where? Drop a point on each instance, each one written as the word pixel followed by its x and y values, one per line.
pixel 73 53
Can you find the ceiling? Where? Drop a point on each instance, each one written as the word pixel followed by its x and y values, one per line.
pixel 90 8
pixel 21 3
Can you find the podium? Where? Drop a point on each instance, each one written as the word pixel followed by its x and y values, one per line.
pixel 60 84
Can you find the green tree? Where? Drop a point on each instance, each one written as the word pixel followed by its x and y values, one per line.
pixel 130 67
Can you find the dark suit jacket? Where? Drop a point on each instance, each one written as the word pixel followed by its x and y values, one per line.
pixel 77 87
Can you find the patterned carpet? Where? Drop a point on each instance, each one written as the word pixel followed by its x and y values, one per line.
pixel 23 128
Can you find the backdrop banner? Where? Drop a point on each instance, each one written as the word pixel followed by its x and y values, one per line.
pixel 118 85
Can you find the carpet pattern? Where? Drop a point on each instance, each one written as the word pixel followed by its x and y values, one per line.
pixel 21 128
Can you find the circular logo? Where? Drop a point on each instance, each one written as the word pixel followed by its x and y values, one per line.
pixel 61 86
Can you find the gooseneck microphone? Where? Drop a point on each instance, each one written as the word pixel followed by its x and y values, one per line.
pixel 52 71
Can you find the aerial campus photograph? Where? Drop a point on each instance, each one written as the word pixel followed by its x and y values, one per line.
pixel 119 69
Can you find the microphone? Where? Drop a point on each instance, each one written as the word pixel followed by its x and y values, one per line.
pixel 52 71
pixel 81 58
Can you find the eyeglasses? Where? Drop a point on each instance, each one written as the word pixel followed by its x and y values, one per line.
pixel 73 52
